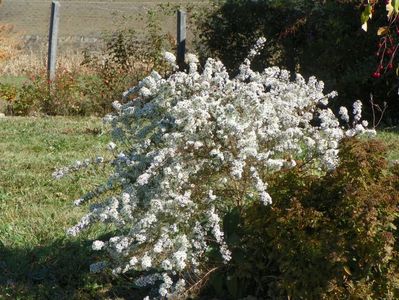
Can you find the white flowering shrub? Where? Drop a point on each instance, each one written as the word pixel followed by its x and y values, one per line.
pixel 193 146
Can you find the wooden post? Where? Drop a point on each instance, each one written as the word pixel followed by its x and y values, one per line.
pixel 181 37
pixel 52 40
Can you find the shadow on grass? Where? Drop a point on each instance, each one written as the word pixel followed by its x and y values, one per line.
pixel 392 129
pixel 58 271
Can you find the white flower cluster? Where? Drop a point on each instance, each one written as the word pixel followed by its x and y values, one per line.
pixel 78 165
pixel 196 144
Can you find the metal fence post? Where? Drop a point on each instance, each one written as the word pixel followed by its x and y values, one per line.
pixel 53 39
pixel 181 37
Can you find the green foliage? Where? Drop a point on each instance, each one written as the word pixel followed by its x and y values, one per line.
pixel 69 94
pixel 321 38
pixel 38 96
pixel 8 93
pixel 329 237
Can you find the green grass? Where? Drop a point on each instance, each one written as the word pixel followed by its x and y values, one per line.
pixel 13 80
pixel 390 137
pixel 37 259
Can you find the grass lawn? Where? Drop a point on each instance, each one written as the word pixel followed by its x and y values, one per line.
pixel 37 259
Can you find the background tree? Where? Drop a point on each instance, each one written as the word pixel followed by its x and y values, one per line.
pixel 323 38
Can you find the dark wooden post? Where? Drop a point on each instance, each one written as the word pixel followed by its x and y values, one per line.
pixel 181 37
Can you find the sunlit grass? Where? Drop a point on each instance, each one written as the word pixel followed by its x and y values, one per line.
pixel 390 137
pixel 37 259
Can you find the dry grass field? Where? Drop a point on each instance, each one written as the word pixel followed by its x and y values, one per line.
pixel 79 17
pixel 24 26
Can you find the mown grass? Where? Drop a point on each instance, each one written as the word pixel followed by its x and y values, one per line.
pixel 37 259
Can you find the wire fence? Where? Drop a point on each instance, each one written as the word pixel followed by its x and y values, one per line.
pixel 82 23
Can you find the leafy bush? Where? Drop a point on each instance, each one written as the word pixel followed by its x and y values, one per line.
pixel 329 237
pixel 64 96
pixel 194 146
pixel 321 38
pixel 8 94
